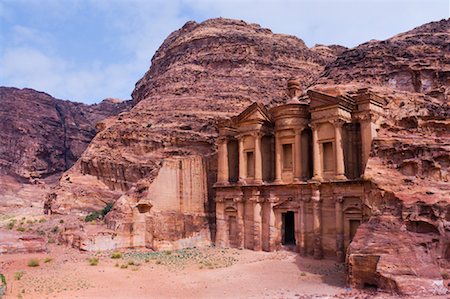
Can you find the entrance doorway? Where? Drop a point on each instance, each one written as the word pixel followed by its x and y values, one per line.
pixel 288 228
pixel 233 232
pixel 353 227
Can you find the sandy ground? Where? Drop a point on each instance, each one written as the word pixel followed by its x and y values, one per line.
pixel 193 273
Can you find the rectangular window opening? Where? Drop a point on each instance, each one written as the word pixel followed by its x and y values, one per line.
pixel 287 156
pixel 250 164
pixel 328 157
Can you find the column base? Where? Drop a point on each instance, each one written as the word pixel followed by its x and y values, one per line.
pixel 317 178
pixel 223 183
pixel 277 181
pixel 257 181
pixel 340 177
pixel 242 182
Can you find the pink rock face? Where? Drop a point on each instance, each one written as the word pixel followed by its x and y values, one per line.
pixel 202 72
pixel 405 245
pixel 14 242
pixel 41 136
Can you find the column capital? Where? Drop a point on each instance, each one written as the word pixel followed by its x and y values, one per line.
pixel 219 199
pixel 337 122
pixel 314 126
pixel 338 198
pixel 238 199
pixel 257 134
pixel 222 138
pixel 299 129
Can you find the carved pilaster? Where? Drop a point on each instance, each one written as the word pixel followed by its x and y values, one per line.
pixel 340 254
pixel 317 169
pixel 317 217
pixel 340 166
pixel 298 154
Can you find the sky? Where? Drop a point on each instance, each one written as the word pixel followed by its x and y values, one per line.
pixel 89 50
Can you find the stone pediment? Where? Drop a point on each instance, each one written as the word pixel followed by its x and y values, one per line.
pixel 319 99
pixel 256 112
pixel 287 205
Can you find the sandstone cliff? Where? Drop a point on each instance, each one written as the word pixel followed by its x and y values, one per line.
pixel 200 73
pixel 405 245
pixel 40 137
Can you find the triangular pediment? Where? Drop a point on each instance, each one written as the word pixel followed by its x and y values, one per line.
pixel 256 112
pixel 320 99
pixel 287 205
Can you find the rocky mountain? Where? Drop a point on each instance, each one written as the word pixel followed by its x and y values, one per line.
pixel 201 72
pixel 41 136
pixel 214 69
pixel 406 242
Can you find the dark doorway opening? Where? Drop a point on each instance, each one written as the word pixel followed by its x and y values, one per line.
pixel 288 228
pixel 233 231
pixel 354 224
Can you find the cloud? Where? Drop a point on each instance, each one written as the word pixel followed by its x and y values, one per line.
pixel 87 50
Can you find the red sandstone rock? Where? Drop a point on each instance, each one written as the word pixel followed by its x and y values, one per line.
pixel 405 246
pixel 200 73
pixel 41 135
pixel 15 242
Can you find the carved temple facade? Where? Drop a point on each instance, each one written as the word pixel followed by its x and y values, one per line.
pixel 290 176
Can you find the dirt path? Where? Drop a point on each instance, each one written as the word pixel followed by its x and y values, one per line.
pixel 194 273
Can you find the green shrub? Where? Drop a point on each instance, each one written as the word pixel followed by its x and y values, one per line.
pixel 61 221
pixel 123 266
pixel 3 279
pixel 21 229
pixel 93 261
pixel 99 214
pixel 107 209
pixel 33 263
pixel 55 230
pixel 18 275
pixel 131 263
pixel 11 224
pixel 48 260
pixel 42 220
pixel 445 275
pixel 92 216
pixel 116 255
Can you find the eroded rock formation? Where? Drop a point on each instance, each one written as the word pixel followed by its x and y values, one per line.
pixel 404 246
pixel 41 135
pixel 200 73
pixel 212 70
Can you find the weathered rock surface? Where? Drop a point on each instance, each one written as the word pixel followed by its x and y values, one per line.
pixel 404 246
pixel 414 61
pixel 14 242
pixel 200 73
pixel 41 136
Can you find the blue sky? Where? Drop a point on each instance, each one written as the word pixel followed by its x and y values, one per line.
pixel 88 50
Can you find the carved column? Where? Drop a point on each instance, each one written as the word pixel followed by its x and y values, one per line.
pixel 221 225
pixel 258 158
pixel 272 225
pixel 278 149
pixel 302 240
pixel 317 216
pixel 298 155
pixel 240 220
pixel 242 166
pixel 368 133
pixel 222 171
pixel 340 254
pixel 316 154
pixel 257 223
pixel 340 166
